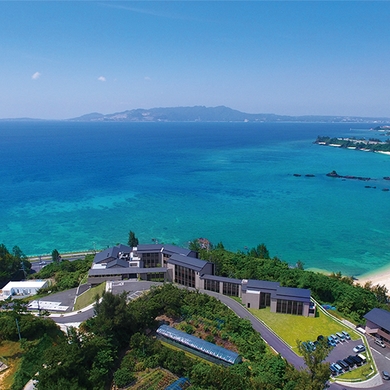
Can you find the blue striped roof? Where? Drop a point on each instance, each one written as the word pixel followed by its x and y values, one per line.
pixel 198 344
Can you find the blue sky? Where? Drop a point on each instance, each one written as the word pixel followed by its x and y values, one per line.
pixel 64 59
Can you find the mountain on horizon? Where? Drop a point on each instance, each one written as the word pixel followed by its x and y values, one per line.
pixel 212 114
pixel 206 114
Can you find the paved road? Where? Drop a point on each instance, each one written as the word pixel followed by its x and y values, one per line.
pixel 269 337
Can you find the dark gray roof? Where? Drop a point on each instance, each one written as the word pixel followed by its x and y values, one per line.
pixel 111 253
pixel 149 248
pixel 188 262
pixel 118 263
pixel 293 294
pixel 252 284
pixel 221 279
pixel 168 249
pixel 172 249
pixel 124 271
pixel 379 317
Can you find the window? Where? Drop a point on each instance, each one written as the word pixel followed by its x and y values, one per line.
pixel 231 289
pixel 289 307
pixel 211 285
pixel 265 299
pixel 151 260
pixel 184 276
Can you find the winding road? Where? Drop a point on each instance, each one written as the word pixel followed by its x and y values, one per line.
pixel 269 337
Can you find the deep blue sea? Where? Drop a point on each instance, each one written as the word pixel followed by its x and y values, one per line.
pixel 77 186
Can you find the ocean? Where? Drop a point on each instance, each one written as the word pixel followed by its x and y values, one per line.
pixel 78 186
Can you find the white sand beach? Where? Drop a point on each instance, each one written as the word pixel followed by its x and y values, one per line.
pixel 381 277
pixel 378 151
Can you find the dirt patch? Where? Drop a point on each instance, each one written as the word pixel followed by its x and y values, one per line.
pixel 11 354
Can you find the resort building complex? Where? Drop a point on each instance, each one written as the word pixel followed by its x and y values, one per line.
pixel 169 263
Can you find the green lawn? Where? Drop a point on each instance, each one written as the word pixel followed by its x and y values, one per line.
pixel 89 296
pixel 362 372
pixel 291 328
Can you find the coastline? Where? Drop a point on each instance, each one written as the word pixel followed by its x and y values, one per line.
pixel 379 277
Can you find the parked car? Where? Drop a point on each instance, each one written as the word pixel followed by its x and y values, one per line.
pixel 311 345
pixel 350 362
pixel 340 336
pixel 380 343
pixel 363 358
pixel 305 346
pixel 359 348
pixel 356 359
pixel 331 342
pixel 346 335
pixel 343 365
pixel 337 368
pixel 335 338
pixel 385 375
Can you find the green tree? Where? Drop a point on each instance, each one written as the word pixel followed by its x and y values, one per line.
pixel 133 240
pixel 55 255
pixel 317 373
pixel 123 377
pixel 260 251
pixel 13 266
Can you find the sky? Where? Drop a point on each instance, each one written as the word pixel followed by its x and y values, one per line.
pixel 63 59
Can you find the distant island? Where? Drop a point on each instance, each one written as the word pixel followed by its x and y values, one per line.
pixel 209 114
pixel 214 114
pixel 370 145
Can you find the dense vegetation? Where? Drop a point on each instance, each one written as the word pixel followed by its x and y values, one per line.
pixel 118 344
pixel 13 265
pixel 373 144
pixel 65 274
pixel 352 300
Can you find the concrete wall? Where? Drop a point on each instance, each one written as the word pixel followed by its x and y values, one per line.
pixel 273 305
pixel 251 299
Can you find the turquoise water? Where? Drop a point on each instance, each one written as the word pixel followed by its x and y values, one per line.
pixel 76 186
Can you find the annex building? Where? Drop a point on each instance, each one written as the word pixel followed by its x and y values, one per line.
pixel 378 324
pixel 22 288
pixel 169 263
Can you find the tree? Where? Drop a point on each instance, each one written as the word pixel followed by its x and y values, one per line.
pixel 13 266
pixel 317 373
pixel 260 251
pixel 133 240
pixel 55 255
pixel 123 376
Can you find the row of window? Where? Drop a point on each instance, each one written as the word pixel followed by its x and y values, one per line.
pixel 151 260
pixel 289 307
pixel 184 276
pixel 231 289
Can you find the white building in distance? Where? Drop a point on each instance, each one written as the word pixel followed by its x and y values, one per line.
pixel 23 288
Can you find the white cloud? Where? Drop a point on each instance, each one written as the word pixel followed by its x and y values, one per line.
pixel 148 78
pixel 101 78
pixel 36 76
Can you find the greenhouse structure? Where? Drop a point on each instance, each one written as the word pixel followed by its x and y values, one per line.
pixel 204 349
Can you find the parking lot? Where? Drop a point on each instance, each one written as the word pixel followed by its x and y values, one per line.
pixel 343 350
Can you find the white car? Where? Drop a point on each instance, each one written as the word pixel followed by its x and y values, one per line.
pixel 359 348
pixel 380 343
